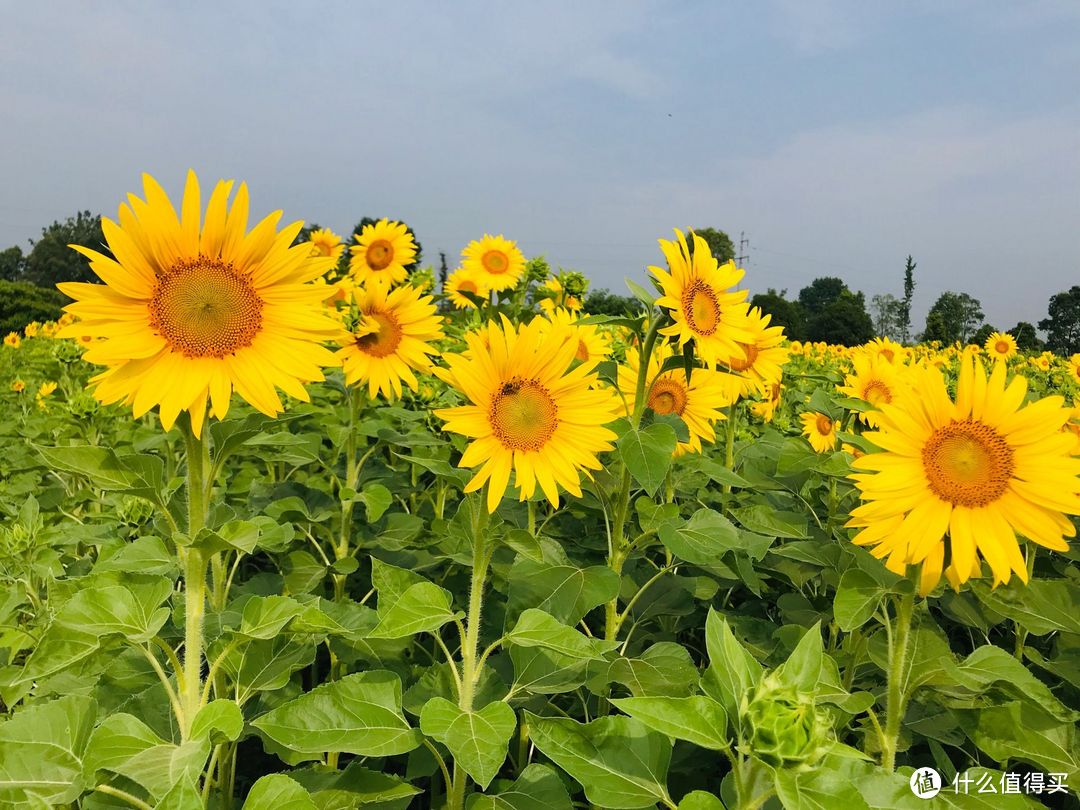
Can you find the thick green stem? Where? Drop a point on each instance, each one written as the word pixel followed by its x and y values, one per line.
pixel 896 698
pixel 194 577
pixel 729 447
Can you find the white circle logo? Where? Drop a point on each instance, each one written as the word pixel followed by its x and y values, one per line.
pixel 925 783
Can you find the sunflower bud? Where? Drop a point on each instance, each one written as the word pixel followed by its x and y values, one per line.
pixel 783 727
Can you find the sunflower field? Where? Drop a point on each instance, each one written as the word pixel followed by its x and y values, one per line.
pixel 283 538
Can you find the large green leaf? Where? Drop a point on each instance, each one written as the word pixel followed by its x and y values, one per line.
pixel 265 616
pixel 278 792
pixel 732 670
pixel 477 739
pixel 697 719
pixel 423 607
pixel 802 669
pixel 664 669
pixel 359 714
pixel 703 539
pixel 266 665
pixel 538 788
pixel 354 787
pixel 42 749
pixel 817 789
pixel 1018 731
pixel 858 597
pixel 772 522
pixel 991 667
pixel 618 761
pixel 647 454
pixel 1040 607
pixel 565 591
pixel 140 475
pixel 131 612
pixel 535 628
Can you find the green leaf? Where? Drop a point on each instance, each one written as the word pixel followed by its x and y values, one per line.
pixel 697 719
pixel 538 788
pixel 732 669
pixel 858 597
pixel 477 739
pixel 265 616
pixel 424 607
pixel 140 475
pixel 221 720
pixel 376 499
pixel 665 668
pixel 126 746
pixel 1016 731
pixel 41 752
pixel 535 628
pixel 390 582
pixel 355 787
pixel 647 454
pixel 359 714
pixel 771 522
pixel 991 667
pixel 303 573
pixel 1040 607
pixel 819 789
pixel 266 665
pixel 564 591
pixel 184 795
pixel 278 792
pixel 145 555
pixel 802 670
pixel 700 800
pixel 618 761
pixel 703 539
pixel 544 672
pixel 131 612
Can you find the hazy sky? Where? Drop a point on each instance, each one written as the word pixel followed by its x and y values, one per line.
pixel 838 136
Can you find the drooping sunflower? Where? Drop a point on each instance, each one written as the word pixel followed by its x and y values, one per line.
pixel 390 336
pixel 191 311
pixel 959 480
pixel 876 380
pixel 697 402
pixel 324 242
pixel 819 430
pixel 763 357
pixel 496 261
pixel 593 343
pixel 697 291
pixel 382 252
pixel 462 281
pixel 1000 345
pixel 530 413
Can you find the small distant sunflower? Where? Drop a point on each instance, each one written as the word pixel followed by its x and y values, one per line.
pixel 961 479
pixel 763 357
pixel 496 261
pixel 593 343
pixel 324 242
pixel 190 311
pixel 13 340
pixel 462 281
pixel 1000 345
pixel 820 431
pixel 697 293
pixel 697 402
pixel 18 386
pixel 876 381
pixel 382 252
pixel 32 329
pixel 46 388
pixel 1042 362
pixel 558 298
pixel 766 408
pixel 888 349
pixel 530 413
pixel 391 334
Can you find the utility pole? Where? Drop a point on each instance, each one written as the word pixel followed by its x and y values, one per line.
pixel 744 245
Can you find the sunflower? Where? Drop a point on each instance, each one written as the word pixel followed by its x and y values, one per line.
pixel 1074 370
pixel 889 350
pixel 876 381
pixel 1000 345
pixel 697 402
pixel 46 388
pixel 494 260
pixel 390 336
pixel 190 313
pixel 766 408
pixel 593 343
pixel 981 470
pixel 324 242
pixel 529 412
pixel 18 386
pixel 557 298
pixel 32 329
pixel 382 252
pixel 462 281
pixel 763 358
pixel 820 431
pixel 13 340
pixel 1042 362
pixel 696 291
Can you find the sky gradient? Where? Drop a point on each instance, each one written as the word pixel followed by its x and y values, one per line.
pixel 840 137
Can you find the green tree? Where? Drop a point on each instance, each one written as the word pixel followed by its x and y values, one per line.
pixel 605 302
pixel 785 313
pixel 723 249
pixel 1062 326
pixel 981 334
pixel 843 320
pixel 904 324
pixel 51 261
pixel 887 312
pixel 953 317
pixel 11 263
pixel 22 303
pixel 820 293
pixel 1027 337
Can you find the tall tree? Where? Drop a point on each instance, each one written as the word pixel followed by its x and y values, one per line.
pixel 11 263
pixel 723 249
pixel 820 293
pixel 1062 326
pixel 953 317
pixel 843 320
pixel 981 335
pixel 904 324
pixel 886 311
pixel 605 302
pixel 1027 337
pixel 51 261
pixel 22 302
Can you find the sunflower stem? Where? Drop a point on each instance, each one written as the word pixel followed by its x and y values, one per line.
pixel 194 576
pixel 896 698
pixel 729 446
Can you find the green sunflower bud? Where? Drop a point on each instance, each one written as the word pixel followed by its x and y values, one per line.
pixel 783 727
pixel 536 270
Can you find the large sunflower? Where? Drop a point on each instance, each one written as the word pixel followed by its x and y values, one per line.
pixel 462 281
pixel 961 479
pixel 697 402
pixel 530 413
pixel 876 381
pixel 189 312
pixel 763 358
pixel 382 252
pixel 704 308
pixel 495 261
pixel 391 331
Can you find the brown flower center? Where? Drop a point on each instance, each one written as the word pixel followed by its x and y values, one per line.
pixel 495 261
pixel 523 415
pixel 667 395
pixel 468 286
pixel 751 351
pixel 823 424
pixel 1001 347
pixel 876 392
pixel 379 254
pixel 701 308
pixel 385 336
pixel 967 463
pixel 204 308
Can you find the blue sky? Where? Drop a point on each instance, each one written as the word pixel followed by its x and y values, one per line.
pixel 839 136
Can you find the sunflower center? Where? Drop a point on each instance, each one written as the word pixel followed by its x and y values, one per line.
pixel 823 424
pixel 967 463
pixel 666 396
pixel 701 308
pixel 495 261
pixel 751 351
pixel 888 354
pixel 384 337
pixel 379 254
pixel 322 248
pixel 523 415
pixel 204 308
pixel 1001 347
pixel 876 392
pixel 468 286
